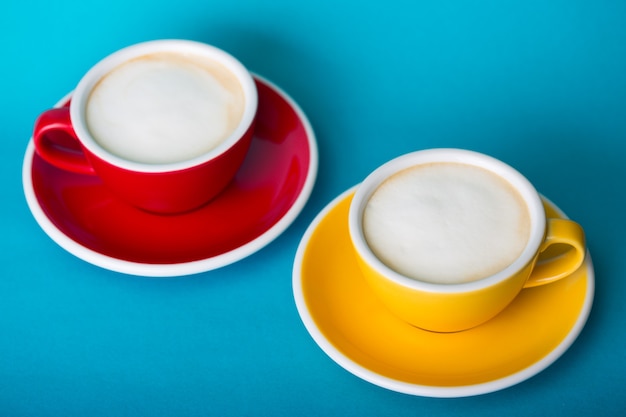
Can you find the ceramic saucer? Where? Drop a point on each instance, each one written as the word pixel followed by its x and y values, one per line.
pixel 351 326
pixel 267 194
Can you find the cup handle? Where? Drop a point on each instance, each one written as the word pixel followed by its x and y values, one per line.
pixel 56 142
pixel 565 233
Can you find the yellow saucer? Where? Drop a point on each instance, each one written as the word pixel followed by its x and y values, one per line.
pixel 351 326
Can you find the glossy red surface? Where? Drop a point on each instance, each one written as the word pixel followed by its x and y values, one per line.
pixel 265 188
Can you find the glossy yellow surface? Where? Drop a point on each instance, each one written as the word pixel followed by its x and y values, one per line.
pixel 444 311
pixel 358 332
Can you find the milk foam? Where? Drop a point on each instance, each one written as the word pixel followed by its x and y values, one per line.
pixel 446 223
pixel 164 108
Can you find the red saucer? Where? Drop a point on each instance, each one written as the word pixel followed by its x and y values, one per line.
pixel 269 191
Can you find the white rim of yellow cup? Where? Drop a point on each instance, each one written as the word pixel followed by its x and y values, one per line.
pixel 179 46
pixel 373 180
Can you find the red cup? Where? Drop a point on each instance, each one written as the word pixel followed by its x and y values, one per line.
pixel 63 138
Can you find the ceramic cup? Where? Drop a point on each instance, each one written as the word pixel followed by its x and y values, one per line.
pixel 164 124
pixel 447 238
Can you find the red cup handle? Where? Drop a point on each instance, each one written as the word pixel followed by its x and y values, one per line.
pixel 56 142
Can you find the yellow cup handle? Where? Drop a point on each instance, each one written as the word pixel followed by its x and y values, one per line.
pixel 563 232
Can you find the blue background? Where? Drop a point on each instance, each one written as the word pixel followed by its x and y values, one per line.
pixel 538 84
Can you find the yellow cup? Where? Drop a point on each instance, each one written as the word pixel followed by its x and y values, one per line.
pixel 457 306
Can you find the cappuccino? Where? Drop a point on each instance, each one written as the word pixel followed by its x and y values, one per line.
pixel 446 223
pixel 164 108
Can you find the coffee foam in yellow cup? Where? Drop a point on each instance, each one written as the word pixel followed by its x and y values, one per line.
pixel 447 238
